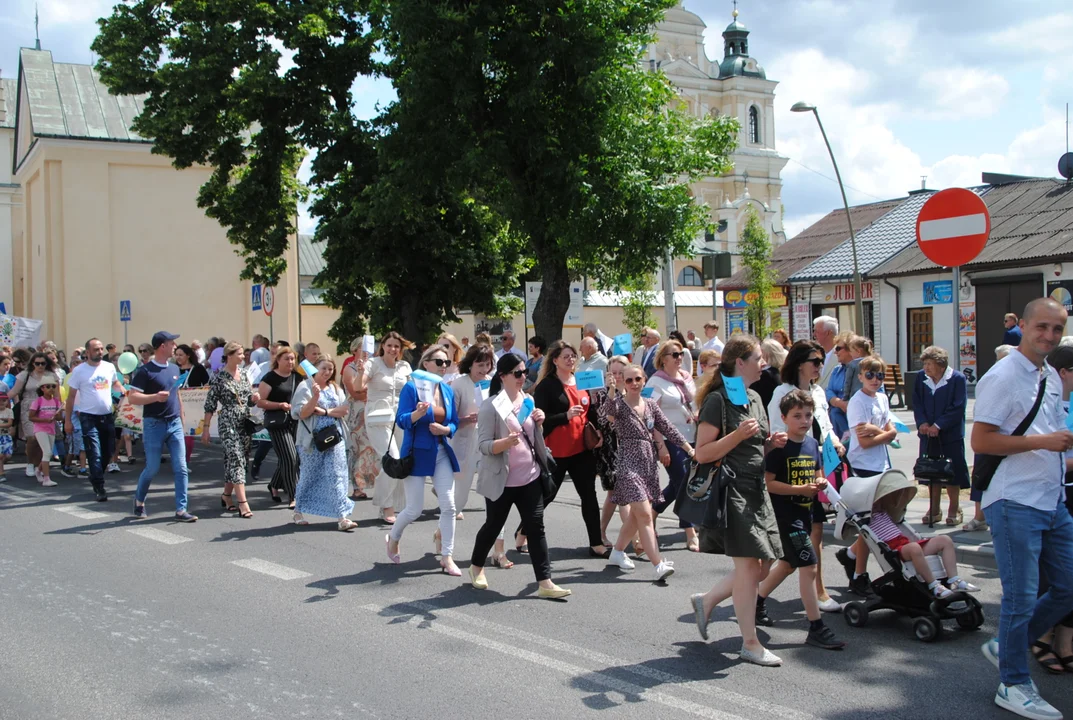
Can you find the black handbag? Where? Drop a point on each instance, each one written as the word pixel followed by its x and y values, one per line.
pixel 702 498
pixel 984 465
pixel 280 419
pixel 397 467
pixel 327 437
pixel 933 468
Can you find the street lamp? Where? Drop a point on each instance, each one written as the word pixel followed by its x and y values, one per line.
pixel 799 107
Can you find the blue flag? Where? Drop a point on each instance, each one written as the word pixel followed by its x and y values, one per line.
pixel 525 410
pixel 623 344
pixel 899 425
pixel 831 461
pixel 735 390
pixel 589 379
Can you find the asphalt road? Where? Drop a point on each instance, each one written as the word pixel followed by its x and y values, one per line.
pixel 107 617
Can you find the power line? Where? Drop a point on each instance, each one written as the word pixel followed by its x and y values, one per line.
pixel 828 177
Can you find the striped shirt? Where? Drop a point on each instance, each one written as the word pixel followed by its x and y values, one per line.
pixel 883 527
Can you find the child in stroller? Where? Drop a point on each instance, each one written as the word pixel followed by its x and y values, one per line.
pixel 914 568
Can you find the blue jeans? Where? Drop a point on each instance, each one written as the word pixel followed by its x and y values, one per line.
pixel 98 438
pixel 156 433
pixel 1027 539
pixel 677 473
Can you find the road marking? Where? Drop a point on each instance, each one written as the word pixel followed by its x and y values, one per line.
pixel 627 689
pixel 18 494
pixel 81 513
pixel 768 709
pixel 163 536
pixel 269 568
pixel 953 227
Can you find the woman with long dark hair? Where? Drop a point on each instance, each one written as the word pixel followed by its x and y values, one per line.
pixel 25 392
pixel 751 538
pixel 513 453
pixel 277 390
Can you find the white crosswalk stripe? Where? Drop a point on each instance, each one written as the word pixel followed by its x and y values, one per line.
pixel 81 513
pixel 270 568
pixel 161 536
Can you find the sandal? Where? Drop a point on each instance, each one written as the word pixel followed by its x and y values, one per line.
pixel 346 525
pixel 226 504
pixel 1054 666
pixel 275 495
pixel 931 519
pixel 501 561
pixel 524 547
pixel 299 520
pixel 693 544
pixel 951 520
pixel 248 514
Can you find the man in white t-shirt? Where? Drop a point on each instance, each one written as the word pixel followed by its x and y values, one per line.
pixel 824 330
pixel 90 393
pixel 261 353
pixel 508 346
pixel 711 331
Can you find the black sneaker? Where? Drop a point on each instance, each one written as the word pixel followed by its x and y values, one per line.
pixel 848 564
pixel 763 619
pixel 824 638
pixel 862 586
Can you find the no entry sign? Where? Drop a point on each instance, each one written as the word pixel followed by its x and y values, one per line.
pixel 953 226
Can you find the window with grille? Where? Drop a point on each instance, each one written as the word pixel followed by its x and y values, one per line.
pixel 921 335
pixel 690 277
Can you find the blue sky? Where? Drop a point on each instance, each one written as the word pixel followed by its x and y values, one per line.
pixel 905 87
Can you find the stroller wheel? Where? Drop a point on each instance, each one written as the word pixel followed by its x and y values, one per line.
pixel 927 629
pixel 971 621
pixel 856 614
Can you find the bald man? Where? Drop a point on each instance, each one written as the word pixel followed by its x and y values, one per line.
pixel 1023 502
pixel 591 357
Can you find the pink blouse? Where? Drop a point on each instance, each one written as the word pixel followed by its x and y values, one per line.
pixel 522 468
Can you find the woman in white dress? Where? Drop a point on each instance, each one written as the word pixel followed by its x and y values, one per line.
pixel 471 389
pixel 383 378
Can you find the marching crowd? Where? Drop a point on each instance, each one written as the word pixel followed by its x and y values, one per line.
pixel 755 415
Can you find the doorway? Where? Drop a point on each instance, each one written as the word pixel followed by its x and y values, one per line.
pixel 921 334
pixel 994 298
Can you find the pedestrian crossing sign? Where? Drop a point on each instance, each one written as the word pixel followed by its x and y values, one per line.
pixel 124 310
pixel 256 297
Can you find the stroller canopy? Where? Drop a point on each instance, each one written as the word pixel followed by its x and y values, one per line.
pixel 860 494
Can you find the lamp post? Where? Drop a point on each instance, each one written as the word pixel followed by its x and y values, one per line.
pixel 799 107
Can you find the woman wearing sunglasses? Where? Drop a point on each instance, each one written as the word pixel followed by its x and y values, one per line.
pixel 802 370
pixel 231 393
pixel 25 392
pixel 673 390
pixel 428 418
pixel 512 456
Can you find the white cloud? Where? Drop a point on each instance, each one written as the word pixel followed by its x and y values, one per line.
pixel 1039 36
pixel 963 92
pixel 69 12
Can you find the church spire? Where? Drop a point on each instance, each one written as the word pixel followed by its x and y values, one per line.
pixel 37 28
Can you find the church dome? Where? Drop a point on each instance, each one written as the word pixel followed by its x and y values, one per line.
pixel 736 61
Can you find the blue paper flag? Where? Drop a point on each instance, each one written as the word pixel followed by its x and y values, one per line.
pixel 735 390
pixel 647 392
pixel 623 344
pixel 308 368
pixel 589 379
pixel 525 410
pixel 1069 420
pixel 831 461
pixel 484 384
pixel 899 425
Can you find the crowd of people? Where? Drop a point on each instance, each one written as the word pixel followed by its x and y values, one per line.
pixel 378 425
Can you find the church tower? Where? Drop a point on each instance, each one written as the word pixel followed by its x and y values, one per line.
pixel 736 86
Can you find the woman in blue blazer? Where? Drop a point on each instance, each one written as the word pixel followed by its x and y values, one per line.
pixel 428 418
pixel 939 398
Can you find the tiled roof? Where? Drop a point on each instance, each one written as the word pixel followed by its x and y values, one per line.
pixel 876 244
pixel 1029 220
pixel 69 101
pixel 310 255
pixel 9 95
pixel 815 240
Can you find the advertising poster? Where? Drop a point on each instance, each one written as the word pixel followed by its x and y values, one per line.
pixel 967 332
pixel 735 322
pixel 939 293
pixel 1062 291
pixel 802 322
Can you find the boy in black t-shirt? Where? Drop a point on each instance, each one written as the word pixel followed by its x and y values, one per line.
pixel 794 475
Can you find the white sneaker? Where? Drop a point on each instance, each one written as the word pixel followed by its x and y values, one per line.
pixel 39 477
pixel 46 482
pixel 619 558
pixel 664 570
pixel 830 605
pixel 113 468
pixel 990 651
pixel 1025 701
pixel 766 658
pixel 963 586
pixel 31 471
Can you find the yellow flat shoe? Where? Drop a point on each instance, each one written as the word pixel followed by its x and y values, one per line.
pixel 478 581
pixel 553 593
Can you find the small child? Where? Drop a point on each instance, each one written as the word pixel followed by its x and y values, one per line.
pixel 7 421
pixel 871 431
pixel 46 409
pixel 794 475
pixel 884 527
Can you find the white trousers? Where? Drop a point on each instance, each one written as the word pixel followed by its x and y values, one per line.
pixel 444 483
pixel 388 492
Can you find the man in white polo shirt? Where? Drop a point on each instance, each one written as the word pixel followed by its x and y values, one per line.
pixel 711 332
pixel 1023 503
pixel 508 346
pixel 90 393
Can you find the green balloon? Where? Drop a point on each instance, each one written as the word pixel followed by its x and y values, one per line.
pixel 127 362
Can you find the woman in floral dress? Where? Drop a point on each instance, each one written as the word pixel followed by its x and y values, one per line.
pixel 230 391
pixel 323 478
pixel 636 473
pixel 363 463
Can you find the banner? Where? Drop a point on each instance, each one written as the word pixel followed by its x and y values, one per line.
pixel 967 333
pixel 193 402
pixel 128 416
pixel 19 331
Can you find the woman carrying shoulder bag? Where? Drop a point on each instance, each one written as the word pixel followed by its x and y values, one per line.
pixel 510 473
pixel 277 390
pixel 939 399
pixel 751 538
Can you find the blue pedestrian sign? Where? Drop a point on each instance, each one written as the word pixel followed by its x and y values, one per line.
pixel 124 310
pixel 256 297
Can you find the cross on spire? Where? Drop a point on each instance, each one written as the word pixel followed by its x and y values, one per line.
pixel 37 28
pixel 735 9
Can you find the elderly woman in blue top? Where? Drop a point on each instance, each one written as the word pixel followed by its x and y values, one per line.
pixel 428 418
pixel 939 399
pixel 836 386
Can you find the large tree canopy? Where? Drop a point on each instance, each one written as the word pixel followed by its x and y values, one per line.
pixel 521 130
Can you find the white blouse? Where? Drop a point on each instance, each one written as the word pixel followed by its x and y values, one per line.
pixel 384 385
pixel 669 398
pixel 822 411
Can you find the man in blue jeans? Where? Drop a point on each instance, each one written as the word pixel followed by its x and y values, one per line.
pixel 155 386
pixel 90 394
pixel 1030 525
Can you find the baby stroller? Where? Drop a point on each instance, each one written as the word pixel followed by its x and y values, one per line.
pixel 900 588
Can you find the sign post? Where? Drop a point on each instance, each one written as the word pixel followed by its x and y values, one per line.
pixel 268 301
pixel 952 229
pixel 124 317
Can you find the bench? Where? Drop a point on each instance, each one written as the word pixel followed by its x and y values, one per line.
pixel 893 384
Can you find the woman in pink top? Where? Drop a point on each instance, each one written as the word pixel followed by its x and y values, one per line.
pixel 44 412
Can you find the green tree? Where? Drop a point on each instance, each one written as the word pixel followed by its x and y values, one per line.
pixel 637 301
pixel 755 249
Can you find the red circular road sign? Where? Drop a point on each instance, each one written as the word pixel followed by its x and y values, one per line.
pixel 268 300
pixel 953 226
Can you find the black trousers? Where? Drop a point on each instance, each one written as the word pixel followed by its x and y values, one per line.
pixel 582 469
pixel 529 499
pixel 286 476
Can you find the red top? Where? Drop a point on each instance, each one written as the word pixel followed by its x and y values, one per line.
pixel 569 439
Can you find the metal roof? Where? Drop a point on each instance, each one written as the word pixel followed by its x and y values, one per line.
pixel 1030 221
pixel 877 243
pixel 682 298
pixel 816 240
pixel 9 95
pixel 69 101
pixel 310 255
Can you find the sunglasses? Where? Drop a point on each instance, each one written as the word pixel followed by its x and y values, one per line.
pixel 839 348
pixel 815 361
pixel 38 363
pixel 871 375
pixel 632 381
pixel 439 362
pixel 518 374
pixel 676 355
